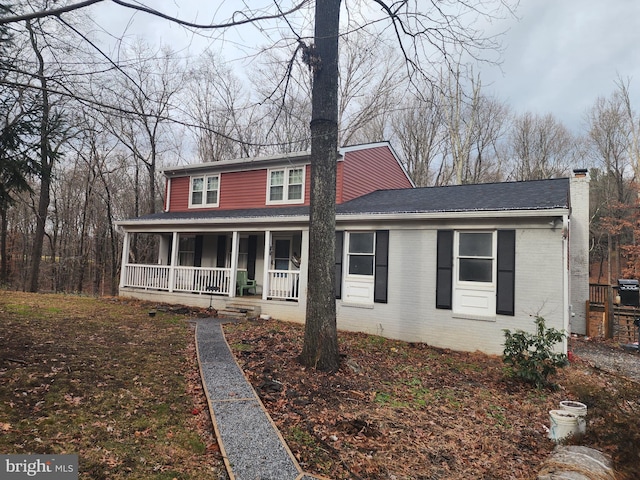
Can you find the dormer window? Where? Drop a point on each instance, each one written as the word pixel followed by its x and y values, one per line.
pixel 286 185
pixel 204 191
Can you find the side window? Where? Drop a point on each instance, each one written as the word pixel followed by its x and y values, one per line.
pixel 360 256
pixel 296 177
pixel 204 191
pixel 276 186
pixel 197 186
pixel 476 272
pixel 286 185
pixel 475 257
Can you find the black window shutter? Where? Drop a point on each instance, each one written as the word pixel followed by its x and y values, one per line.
pixel 197 261
pixel 506 272
pixel 221 259
pixel 444 275
pixel 338 267
pixel 251 257
pixel 382 266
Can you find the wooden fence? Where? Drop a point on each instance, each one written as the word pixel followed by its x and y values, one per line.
pixel 606 319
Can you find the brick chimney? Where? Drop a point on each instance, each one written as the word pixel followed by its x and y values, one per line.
pixel 579 250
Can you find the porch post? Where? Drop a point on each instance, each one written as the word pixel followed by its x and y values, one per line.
pixel 235 243
pixel 125 258
pixel 267 264
pixel 304 270
pixel 175 244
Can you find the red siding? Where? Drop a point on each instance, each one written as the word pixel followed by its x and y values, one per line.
pixel 339 182
pixel 238 190
pixel 243 189
pixel 371 169
pixel 360 172
pixel 179 194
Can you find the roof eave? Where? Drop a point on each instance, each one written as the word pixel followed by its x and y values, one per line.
pixel 188 224
pixel 476 214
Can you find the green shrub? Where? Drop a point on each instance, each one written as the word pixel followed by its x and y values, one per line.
pixel 530 356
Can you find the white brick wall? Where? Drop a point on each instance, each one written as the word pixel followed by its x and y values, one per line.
pixel 411 315
pixel 579 253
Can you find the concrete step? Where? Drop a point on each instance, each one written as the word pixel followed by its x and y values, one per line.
pixel 237 310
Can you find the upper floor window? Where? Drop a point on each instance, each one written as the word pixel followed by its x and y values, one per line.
pixel 204 191
pixel 286 185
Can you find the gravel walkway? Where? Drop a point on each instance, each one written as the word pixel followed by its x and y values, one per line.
pixel 609 357
pixel 251 445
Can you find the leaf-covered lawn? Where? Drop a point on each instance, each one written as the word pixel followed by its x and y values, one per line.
pixel 104 380
pixel 398 410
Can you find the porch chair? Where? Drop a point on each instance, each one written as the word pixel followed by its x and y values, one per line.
pixel 243 283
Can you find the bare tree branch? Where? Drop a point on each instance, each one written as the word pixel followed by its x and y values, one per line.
pixel 55 12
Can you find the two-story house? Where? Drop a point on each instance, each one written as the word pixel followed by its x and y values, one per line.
pixel 450 266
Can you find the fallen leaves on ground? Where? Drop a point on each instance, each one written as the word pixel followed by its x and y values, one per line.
pixel 102 379
pixel 396 410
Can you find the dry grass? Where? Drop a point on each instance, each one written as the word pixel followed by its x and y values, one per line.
pixel 101 379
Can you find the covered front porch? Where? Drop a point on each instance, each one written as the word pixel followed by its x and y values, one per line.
pixel 215 265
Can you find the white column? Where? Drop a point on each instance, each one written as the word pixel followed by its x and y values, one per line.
pixel 267 264
pixel 235 244
pixel 175 245
pixel 304 271
pixel 125 258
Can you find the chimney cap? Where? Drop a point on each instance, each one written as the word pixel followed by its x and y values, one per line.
pixel 580 172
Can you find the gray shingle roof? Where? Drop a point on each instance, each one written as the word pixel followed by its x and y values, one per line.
pixel 195 215
pixel 531 195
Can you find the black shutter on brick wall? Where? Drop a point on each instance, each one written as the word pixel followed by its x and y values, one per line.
pixel 444 275
pixel 338 267
pixel 506 272
pixel 382 267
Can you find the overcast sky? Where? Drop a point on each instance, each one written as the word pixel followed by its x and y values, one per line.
pixel 563 54
pixel 560 55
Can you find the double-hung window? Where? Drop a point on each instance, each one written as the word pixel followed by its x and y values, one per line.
pixel 286 185
pixel 476 272
pixel 205 191
pixel 474 288
pixel 475 257
pixel 361 253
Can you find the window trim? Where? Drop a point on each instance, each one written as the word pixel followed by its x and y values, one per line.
pixel 205 182
pixel 285 186
pixel 480 285
pixel 372 255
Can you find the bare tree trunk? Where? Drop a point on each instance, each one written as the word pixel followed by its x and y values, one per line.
pixel 45 174
pixel 4 263
pixel 320 348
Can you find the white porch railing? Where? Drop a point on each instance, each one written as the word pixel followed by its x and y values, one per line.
pixel 185 279
pixel 202 280
pixel 147 276
pixel 284 284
